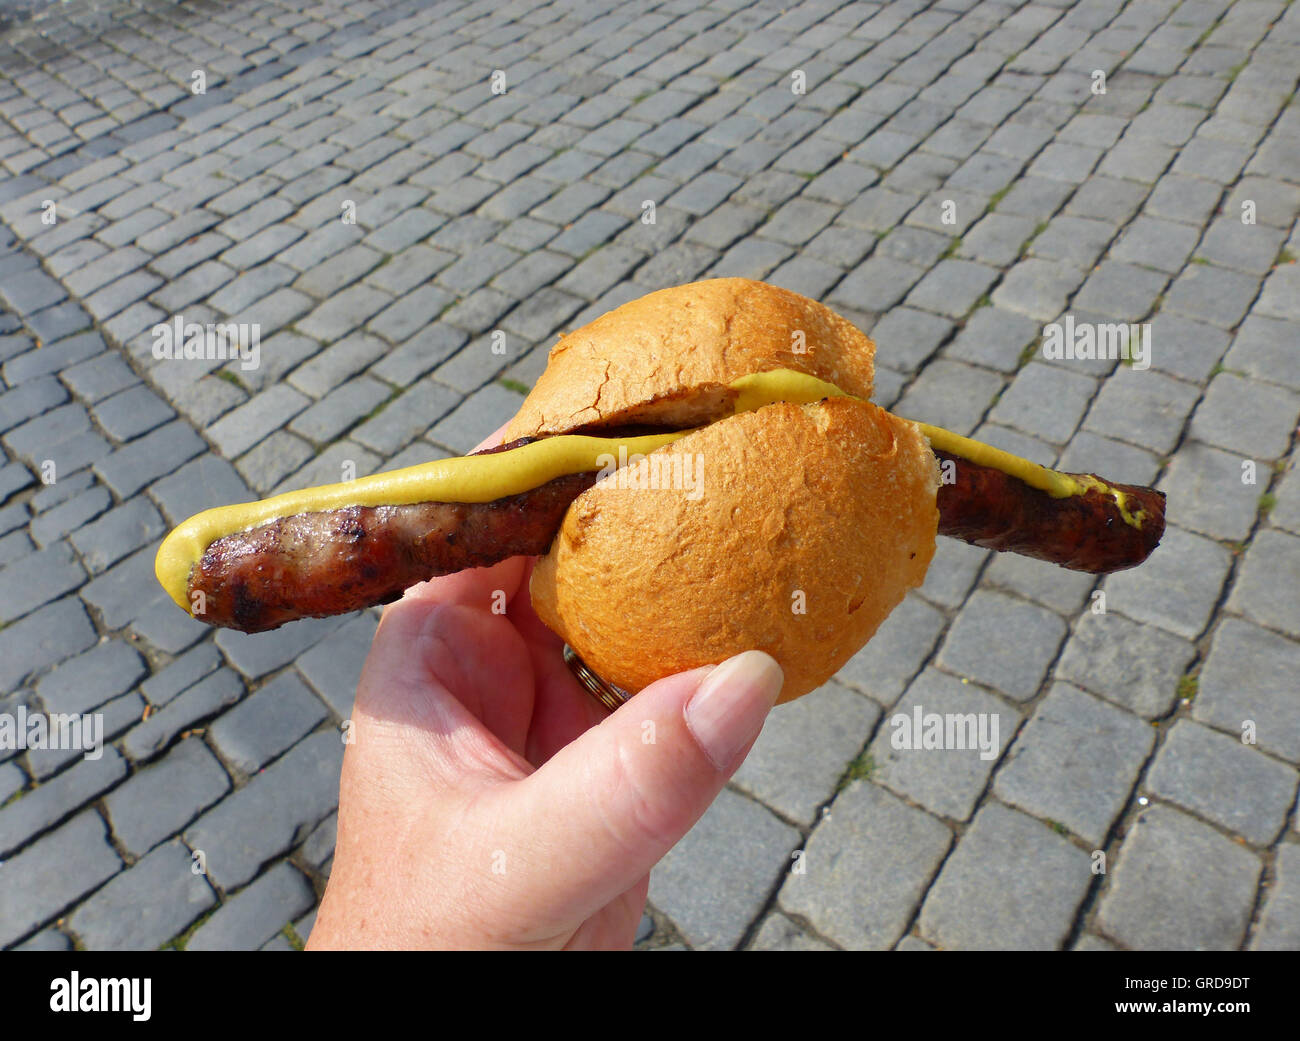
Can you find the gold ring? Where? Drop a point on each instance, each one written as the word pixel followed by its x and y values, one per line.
pixel 606 693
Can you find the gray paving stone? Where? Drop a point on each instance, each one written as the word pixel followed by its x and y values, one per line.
pixel 1076 241
pixel 13 478
pixel 1246 416
pixel 60 796
pixel 1137 667
pixel 1005 643
pixel 1252 248
pixel 267 723
pixel 1218 777
pixel 181 674
pixel 240 429
pixel 21 404
pixel 133 466
pixel 916 246
pixel 406 417
pixel 161 799
pixel 30 291
pixel 1045 401
pixel 343 313
pixel 1144 407
pixel 267 815
pixel 57 322
pixel 945 780
pixel 1037 288
pixel 334 463
pixel 1075 763
pixel 339 271
pixel 1267 349
pixel 950 394
pixel 1052 586
pixel 120 531
pixel 1279 924
pixel 1206 492
pixel 82 683
pixel 477 417
pixel 866 867
pixel 57 631
pixel 1176 588
pixel 1286 512
pixel 210 695
pixel 253 916
pixel 12 779
pixel 257 654
pixel 1187 199
pixel 1208 910
pixel 877 209
pixel 952 287
pixel 60 869
pixel 319 846
pixel 340 409
pixel 1276 202
pixel 52 358
pixel 807 276
pixel 144 906
pixel 716 880
pixel 33 581
pixel 50 939
pixel 200 484
pixel 984 898
pixel 1184 348
pixel 411 267
pixel 1211 294
pixel 833 719
pixel 994 338
pixel 1163 245
pixel 953 571
pixel 99 377
pixel 1265 589
pixel 906 337
pixel 333 666
pixel 893 656
pixel 778 933
pixel 1121 291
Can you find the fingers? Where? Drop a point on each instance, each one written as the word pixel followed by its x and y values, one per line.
pixel 596 817
pixel 445 692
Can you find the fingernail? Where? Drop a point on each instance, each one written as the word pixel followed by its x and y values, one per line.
pixel 727 711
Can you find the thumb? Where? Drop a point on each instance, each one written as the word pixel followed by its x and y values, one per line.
pixel 607 807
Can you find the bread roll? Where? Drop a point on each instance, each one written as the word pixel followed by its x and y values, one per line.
pixel 667 357
pixel 809 524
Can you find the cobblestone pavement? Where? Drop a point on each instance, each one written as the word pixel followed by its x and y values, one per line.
pixel 952 179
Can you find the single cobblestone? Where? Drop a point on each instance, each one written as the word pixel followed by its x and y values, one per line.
pixel 60 869
pixel 254 915
pixel 983 898
pixel 264 818
pixel 778 773
pixel 946 780
pixel 1208 910
pixel 1137 667
pixel 1075 762
pixel 144 906
pixel 865 868
pixel 1220 778
pixel 1002 642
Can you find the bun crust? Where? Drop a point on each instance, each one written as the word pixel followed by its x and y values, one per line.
pixel 667 357
pixel 828 507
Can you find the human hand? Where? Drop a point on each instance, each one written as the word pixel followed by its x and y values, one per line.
pixel 487 800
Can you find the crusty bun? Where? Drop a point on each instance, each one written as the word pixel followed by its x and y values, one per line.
pixel 811 523
pixel 666 358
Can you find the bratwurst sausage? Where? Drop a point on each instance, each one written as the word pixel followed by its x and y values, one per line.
pixel 311 565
